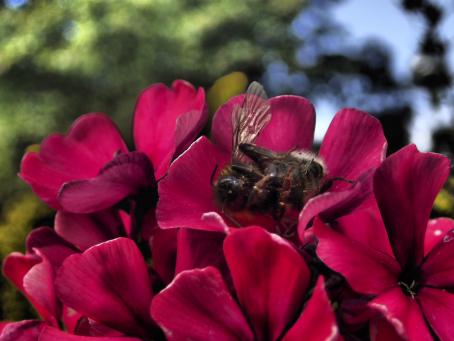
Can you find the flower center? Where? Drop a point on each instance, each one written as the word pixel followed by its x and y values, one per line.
pixel 409 281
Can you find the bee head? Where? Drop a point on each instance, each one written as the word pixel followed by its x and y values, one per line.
pixel 229 190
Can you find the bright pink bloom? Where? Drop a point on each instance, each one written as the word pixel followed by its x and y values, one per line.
pixel 408 275
pixel 270 279
pixel 34 273
pixel 90 168
pixel 91 142
pixel 353 145
pixel 166 121
pixel 109 283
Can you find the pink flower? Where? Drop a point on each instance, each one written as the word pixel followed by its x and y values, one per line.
pixel 109 284
pixel 90 169
pixel 353 145
pixel 34 274
pixel 409 275
pixel 270 280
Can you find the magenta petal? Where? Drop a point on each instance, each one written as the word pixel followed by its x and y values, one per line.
pixel 332 204
pixel 126 175
pixel 405 201
pixel 403 313
pixel 49 243
pixel 367 270
pixel 436 230
pixel 70 319
pixel 438 310
pixel 28 330
pixel 85 230
pixel 39 288
pixel 221 127
pixel 292 124
pixel 91 142
pixel 291 115
pixel 365 227
pixel 163 245
pixel 382 330
pixel 186 193
pixel 353 144
pixel 437 269
pixel 51 334
pixel 198 306
pixel 109 283
pixel 162 124
pixel 199 249
pixel 317 322
pixel 16 265
pixel 270 279
pixel 40 276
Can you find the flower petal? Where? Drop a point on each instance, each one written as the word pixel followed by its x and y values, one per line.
pixel 199 249
pixel 367 270
pixel 92 141
pixel 292 124
pixel 49 243
pixel 163 245
pixel 186 193
pixel 437 269
pixel 39 287
pixel 27 330
pixel 270 279
pixel 405 201
pixel 166 120
pixel 353 143
pixel 333 204
pixel 51 334
pixel 109 283
pixel 436 230
pixel 403 313
pixel 33 275
pixel 128 174
pixel 291 127
pixel 198 306
pixel 365 227
pixel 317 312
pixel 221 127
pixel 382 330
pixel 16 266
pixel 85 230
pixel 437 306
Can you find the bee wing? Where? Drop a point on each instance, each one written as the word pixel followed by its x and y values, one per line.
pixel 249 118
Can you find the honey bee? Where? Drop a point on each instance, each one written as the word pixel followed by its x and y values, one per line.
pixel 259 180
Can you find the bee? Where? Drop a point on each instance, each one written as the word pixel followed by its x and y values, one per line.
pixel 259 180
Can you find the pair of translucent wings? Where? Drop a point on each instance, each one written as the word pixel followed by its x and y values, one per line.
pixel 249 118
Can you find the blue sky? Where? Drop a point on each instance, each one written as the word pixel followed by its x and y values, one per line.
pixel 384 20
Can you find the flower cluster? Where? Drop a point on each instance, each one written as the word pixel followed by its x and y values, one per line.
pixel 142 249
